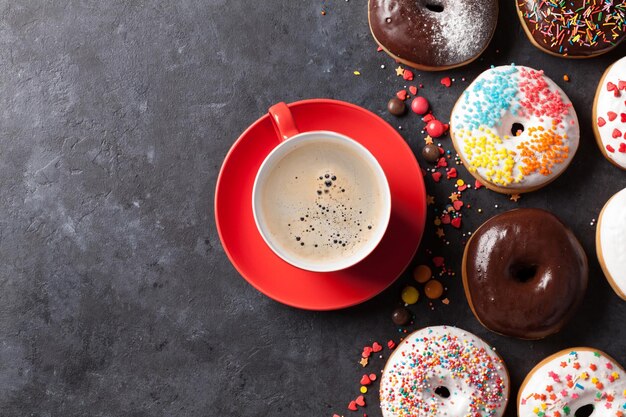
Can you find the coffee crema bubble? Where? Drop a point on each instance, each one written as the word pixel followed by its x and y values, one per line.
pixel 321 202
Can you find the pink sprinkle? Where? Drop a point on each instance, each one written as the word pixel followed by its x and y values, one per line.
pixel 554 376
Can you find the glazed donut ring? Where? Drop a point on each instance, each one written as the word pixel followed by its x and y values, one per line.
pixel 444 371
pixel 609 114
pixel 575 28
pixel 611 242
pixel 433 35
pixel 574 382
pixel 515 129
pixel 524 273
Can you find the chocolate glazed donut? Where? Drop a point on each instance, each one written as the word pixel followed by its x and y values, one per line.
pixel 524 273
pixel 433 35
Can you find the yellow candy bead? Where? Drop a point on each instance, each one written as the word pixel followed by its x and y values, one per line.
pixel 363 389
pixel 410 295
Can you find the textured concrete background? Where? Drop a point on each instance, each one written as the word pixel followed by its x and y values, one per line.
pixel 116 298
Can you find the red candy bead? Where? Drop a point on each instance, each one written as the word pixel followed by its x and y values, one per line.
pixel 434 128
pixel 419 105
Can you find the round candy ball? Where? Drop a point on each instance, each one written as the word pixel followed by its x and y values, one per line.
pixel 435 128
pixel 401 316
pixel 410 295
pixel 396 106
pixel 419 105
pixel 431 153
pixel 433 289
pixel 422 273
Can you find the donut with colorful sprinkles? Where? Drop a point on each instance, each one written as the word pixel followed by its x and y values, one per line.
pixel 573 28
pixel 611 242
pixel 514 129
pixel 609 114
pixel 574 382
pixel 444 371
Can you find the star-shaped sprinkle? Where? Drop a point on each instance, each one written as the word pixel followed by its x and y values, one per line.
pixel 430 200
pixel 453 197
pixel 364 362
pixel 440 232
pixel 428 140
pixel 515 197
pixel 399 71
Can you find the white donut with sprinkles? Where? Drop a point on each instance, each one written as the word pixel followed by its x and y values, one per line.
pixel 444 371
pixel 609 114
pixel 611 242
pixel 514 129
pixel 574 383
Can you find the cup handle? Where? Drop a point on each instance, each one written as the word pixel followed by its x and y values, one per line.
pixel 283 121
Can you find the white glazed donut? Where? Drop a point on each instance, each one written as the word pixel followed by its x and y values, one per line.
pixel 574 382
pixel 514 129
pixel 444 371
pixel 609 114
pixel 611 242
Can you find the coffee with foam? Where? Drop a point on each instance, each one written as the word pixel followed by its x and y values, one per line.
pixel 322 202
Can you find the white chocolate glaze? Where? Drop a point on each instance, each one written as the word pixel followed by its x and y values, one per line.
pixel 489 111
pixel 611 104
pixel 571 379
pixel 612 241
pixel 427 360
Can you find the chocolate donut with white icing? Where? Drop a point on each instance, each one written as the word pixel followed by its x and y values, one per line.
pixel 433 35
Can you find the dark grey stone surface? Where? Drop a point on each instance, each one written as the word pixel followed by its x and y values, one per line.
pixel 116 297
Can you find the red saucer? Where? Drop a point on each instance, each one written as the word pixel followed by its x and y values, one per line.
pixel 313 290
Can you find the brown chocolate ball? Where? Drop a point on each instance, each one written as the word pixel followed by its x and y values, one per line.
pixel 401 316
pixel 396 107
pixel 431 153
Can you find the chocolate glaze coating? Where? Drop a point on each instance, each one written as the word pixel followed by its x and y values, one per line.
pixel 524 273
pixel 544 23
pixel 433 33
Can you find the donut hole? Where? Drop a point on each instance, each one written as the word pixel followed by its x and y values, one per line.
pixel 523 272
pixel 517 129
pixel 584 411
pixel 434 7
pixel 444 392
